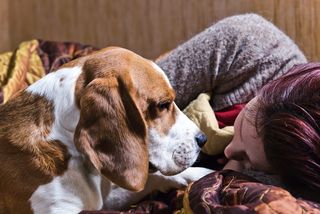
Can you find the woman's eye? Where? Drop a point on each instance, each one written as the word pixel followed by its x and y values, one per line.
pixel 164 105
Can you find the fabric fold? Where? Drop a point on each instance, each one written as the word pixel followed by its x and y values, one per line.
pixel 201 113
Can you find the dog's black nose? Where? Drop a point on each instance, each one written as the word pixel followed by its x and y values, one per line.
pixel 201 139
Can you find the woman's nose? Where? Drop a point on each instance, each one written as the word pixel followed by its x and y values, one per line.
pixel 235 152
pixel 228 152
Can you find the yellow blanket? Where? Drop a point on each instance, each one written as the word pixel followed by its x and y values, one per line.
pixel 201 113
pixel 20 68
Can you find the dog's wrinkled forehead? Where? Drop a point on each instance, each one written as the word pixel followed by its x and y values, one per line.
pixel 152 82
pixel 143 72
pixel 147 78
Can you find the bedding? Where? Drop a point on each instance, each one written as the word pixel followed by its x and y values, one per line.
pixel 227 192
pixel 32 60
pixel 201 113
pixel 220 192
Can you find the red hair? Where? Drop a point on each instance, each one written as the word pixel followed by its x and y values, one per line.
pixel 288 120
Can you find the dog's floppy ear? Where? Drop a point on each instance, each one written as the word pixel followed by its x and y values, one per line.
pixel 111 131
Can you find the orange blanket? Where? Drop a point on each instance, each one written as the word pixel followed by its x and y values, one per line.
pixel 32 60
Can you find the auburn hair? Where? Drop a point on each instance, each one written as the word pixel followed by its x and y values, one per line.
pixel 288 121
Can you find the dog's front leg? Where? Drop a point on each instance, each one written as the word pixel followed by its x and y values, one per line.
pixel 121 199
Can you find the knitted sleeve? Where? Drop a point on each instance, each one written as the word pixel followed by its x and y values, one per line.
pixel 232 59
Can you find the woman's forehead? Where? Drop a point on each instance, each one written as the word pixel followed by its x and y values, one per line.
pixel 250 111
pixel 247 122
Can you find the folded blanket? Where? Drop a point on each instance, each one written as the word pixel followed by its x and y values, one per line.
pixel 231 192
pixel 32 60
pixel 225 192
pixel 201 113
pixel 19 69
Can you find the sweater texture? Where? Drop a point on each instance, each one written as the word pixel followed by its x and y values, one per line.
pixel 231 59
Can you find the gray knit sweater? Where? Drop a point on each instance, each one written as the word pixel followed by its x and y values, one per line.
pixel 232 59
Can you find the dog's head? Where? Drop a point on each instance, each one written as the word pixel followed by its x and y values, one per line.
pixel 128 119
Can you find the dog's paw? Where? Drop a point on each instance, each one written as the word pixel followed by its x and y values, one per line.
pixel 191 174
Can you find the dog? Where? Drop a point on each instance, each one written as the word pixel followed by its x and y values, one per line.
pixel 100 132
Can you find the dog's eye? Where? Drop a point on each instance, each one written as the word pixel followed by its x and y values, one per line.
pixel 164 105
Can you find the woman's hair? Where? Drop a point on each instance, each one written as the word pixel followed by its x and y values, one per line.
pixel 288 121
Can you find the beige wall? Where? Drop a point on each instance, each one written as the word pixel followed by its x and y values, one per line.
pixel 148 27
pixel 4 23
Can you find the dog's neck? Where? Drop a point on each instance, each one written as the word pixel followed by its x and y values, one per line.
pixel 61 94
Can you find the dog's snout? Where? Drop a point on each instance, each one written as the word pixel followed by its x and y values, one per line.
pixel 201 139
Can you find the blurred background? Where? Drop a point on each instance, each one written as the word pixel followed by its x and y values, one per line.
pixel 148 27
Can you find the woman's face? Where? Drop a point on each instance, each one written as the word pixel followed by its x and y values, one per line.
pixel 246 145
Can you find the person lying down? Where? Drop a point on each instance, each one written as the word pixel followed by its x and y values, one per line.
pixel 277 132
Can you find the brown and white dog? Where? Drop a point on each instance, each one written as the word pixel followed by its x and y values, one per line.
pixel 83 137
